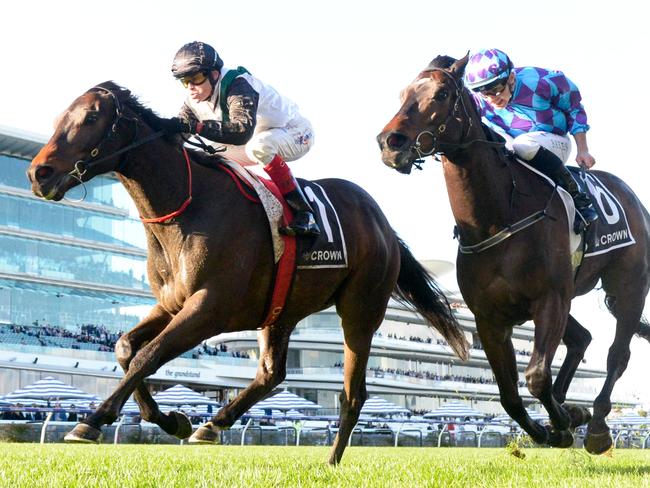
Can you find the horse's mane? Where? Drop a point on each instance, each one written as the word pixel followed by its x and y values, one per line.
pixel 441 62
pixel 153 120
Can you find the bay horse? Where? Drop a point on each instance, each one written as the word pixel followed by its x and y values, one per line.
pixel 527 275
pixel 211 265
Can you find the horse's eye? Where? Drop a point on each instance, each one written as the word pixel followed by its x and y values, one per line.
pixel 90 118
pixel 441 95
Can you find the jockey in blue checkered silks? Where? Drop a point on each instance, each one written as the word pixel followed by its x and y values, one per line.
pixel 534 109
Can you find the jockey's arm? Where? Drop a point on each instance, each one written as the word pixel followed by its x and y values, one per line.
pixel 583 157
pixel 242 102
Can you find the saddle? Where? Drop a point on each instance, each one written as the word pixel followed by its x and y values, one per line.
pixel 328 250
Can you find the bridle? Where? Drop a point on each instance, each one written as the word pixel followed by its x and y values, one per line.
pixel 438 146
pixel 82 166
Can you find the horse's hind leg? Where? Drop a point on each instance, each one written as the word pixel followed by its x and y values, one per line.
pixel 272 369
pixel 360 319
pixel 174 423
pixel 628 314
pixel 576 339
pixel 353 396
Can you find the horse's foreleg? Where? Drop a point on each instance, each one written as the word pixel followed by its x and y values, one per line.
pixel 191 325
pixel 627 314
pixel 577 339
pixel 272 369
pixel 501 356
pixel 126 347
pixel 550 317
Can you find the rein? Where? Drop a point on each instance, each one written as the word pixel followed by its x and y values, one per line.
pixel 82 166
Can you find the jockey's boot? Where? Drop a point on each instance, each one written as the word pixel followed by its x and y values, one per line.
pixel 551 165
pixel 564 178
pixel 303 222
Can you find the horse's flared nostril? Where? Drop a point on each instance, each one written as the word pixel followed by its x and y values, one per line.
pixel 395 140
pixel 43 173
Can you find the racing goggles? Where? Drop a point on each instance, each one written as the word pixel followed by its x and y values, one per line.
pixel 195 79
pixel 493 89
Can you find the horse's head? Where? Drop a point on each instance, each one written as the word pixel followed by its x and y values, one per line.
pixel 432 115
pixel 85 137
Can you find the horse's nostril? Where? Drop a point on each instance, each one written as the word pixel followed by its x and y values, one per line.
pixel 395 140
pixel 43 172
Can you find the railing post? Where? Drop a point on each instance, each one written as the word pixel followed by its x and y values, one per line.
pixel 440 435
pixel 399 428
pixel 45 424
pixel 117 429
pixel 243 432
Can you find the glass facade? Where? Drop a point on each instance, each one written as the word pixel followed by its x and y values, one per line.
pixel 33 215
pixel 68 264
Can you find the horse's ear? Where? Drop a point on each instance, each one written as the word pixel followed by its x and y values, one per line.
pixel 114 88
pixel 458 68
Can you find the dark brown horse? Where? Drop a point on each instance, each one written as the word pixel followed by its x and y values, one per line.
pixel 211 266
pixel 528 275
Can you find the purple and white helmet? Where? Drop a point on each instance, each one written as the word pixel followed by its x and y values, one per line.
pixel 485 67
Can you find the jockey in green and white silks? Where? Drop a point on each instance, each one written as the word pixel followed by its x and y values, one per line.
pixel 278 126
pixel 234 109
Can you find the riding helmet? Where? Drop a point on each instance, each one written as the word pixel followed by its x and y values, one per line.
pixel 194 57
pixel 486 66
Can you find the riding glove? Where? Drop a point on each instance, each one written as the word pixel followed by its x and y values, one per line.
pixel 176 125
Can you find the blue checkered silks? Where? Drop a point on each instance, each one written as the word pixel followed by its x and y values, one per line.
pixel 542 100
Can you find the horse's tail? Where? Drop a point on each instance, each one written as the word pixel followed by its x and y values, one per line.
pixel 415 287
pixel 644 329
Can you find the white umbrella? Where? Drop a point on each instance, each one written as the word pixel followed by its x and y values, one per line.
pixel 258 412
pixel 179 395
pixel 49 389
pixel 379 406
pixel 286 400
pixel 454 410
pixel 531 413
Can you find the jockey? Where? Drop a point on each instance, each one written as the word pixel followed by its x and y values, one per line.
pixel 534 109
pixel 253 121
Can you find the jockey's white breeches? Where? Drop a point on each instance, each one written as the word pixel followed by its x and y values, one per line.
pixel 526 145
pixel 290 142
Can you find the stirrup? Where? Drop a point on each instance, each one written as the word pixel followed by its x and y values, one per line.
pixel 584 217
pixel 303 224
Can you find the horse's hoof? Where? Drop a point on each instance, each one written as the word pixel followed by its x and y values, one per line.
pixel 184 426
pixel 204 435
pixel 560 438
pixel 84 434
pixel 579 415
pixel 598 443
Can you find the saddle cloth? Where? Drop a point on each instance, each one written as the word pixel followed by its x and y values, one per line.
pixel 328 250
pixel 611 230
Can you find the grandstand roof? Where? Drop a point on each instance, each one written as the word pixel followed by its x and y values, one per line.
pixel 22 144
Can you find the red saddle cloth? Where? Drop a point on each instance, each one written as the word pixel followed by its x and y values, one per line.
pixel 286 265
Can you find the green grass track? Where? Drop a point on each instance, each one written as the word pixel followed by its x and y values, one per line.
pixel 59 465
